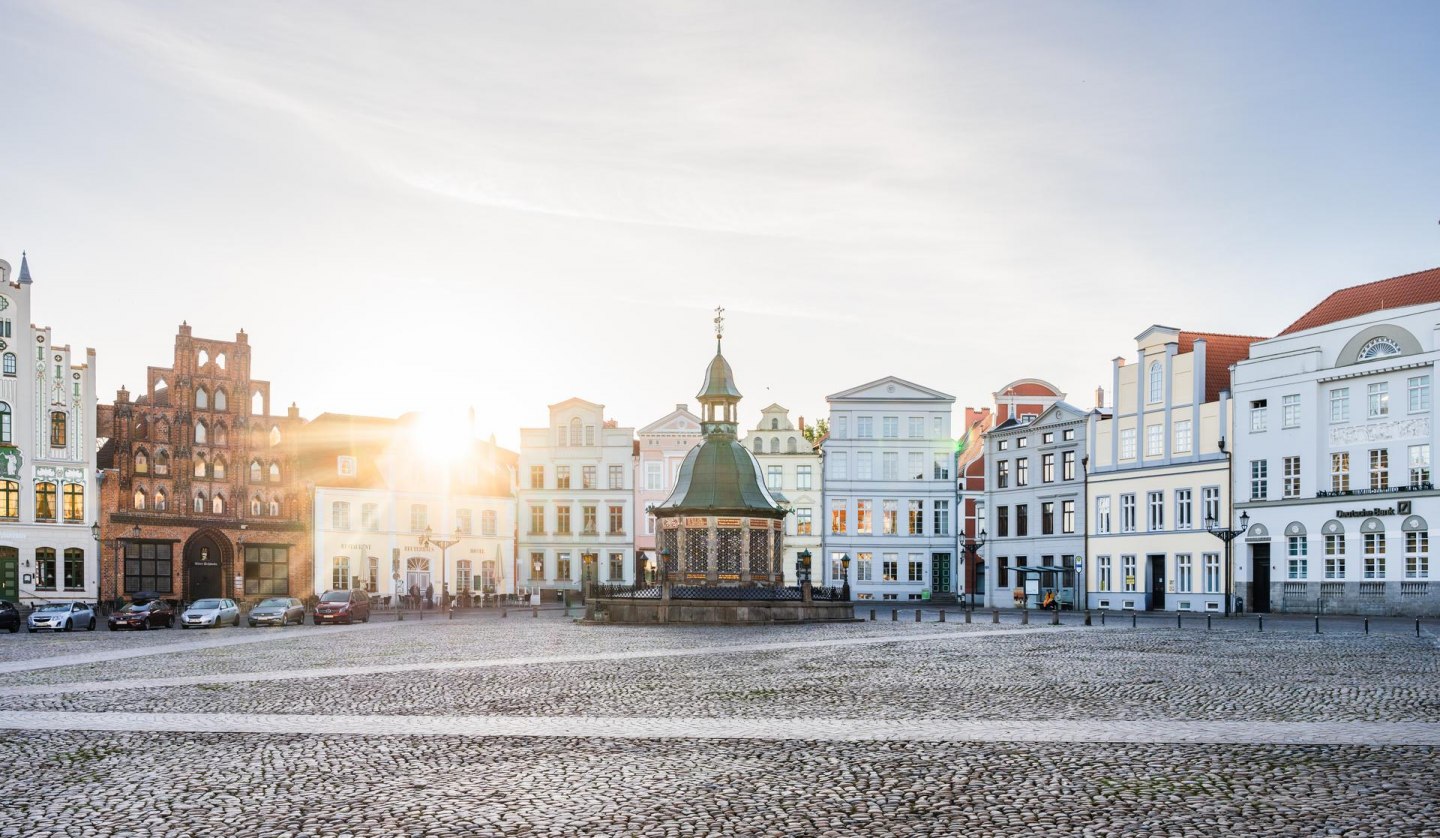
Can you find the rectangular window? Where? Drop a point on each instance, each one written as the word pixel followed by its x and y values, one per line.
pixel 1417 555
pixel 1127 572
pixel 865 427
pixel 617 476
pixel 617 519
pixel 1210 499
pixel 1154 440
pixel 340 573
pixel 803 523
pixel 1259 479
pixel 1022 471
pixel 1102 574
pixel 915 465
pixel 73 500
pixel 1047 437
pixel 587 477
pixel 1067 516
pixel 889 567
pixel 1290 485
pixel 340 515
pixel 838 509
pixel 1184 437
pixel 589 434
pixel 841 428
pixel 916 427
pixel 1002 522
pixel 1127 513
pixel 588 516
pixel 1002 445
pixel 562 477
pixel 863 465
pixel 1380 468
pixel 1379 399
pixel 1002 474
pixel 562 519
pixel 562 567
pixel 1335 556
pixel 1258 415
pixel 57 429
pixel 419 517
pixel 942 466
pixel 1212 573
pixel 1374 555
pixel 1102 514
pixel 463 521
pixel 1185 573
pixel 45 501
pixel 941 518
pixel 1002 571
pixel 890 427
pixel 917 517
pixel 1067 435
pixel 537 477
pixel 1184 518
pixel 1156 504
pixel 838 470
pixel 889 517
pixel 1297 551
pixel 774 476
pixel 862 517
pixel 1290 411
pixel 1047 468
pixel 74 569
pixel 803 478
pixel 1022 520
pixel 1340 471
pixel 1340 405
pixel 654 477
pixel 369 517
pixel 537 519
pixel 1419 391
pixel 864 567
pixel 1021 442
pixel 537 564
pixel 1419 467
pixel 916 568
pixel 487 522
pixel 1067 465
pixel 1047 517
pixel 617 567
pixel 267 571
pixel 937 427
pixel 148 567
pixel 1127 443
pixel 890 465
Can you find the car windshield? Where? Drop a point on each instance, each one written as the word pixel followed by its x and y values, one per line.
pixel 275 603
pixel 132 608
pixel 61 606
pixel 336 596
pixel 205 605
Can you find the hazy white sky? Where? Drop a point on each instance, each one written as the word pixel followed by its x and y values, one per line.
pixel 418 205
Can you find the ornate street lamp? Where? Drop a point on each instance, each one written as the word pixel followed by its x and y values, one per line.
pixel 972 547
pixel 1228 535
pixel 444 544
pixel 845 570
pixel 802 568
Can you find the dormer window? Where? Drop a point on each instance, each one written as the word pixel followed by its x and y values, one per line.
pixel 1157 382
pixel 345 466
pixel 1378 348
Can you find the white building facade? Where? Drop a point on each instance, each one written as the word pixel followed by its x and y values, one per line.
pixel 661 447
pixel 49 497
pixel 1334 439
pixel 791 466
pixel 889 491
pixel 576 500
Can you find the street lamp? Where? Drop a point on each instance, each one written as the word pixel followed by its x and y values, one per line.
pixel 802 568
pixel 444 544
pixel 95 534
pixel 1227 536
pixel 972 546
pixel 845 571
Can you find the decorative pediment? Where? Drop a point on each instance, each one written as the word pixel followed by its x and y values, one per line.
pixel 890 388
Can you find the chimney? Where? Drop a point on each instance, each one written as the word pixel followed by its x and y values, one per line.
pixel 802 424
pixel 293 412
pixel 1099 397
pixel 682 406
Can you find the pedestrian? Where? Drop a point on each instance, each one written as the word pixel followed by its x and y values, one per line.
pixel 429 596
pixel 445 596
pixel 414 595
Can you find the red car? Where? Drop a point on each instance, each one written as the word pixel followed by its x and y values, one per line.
pixel 343 607
pixel 156 613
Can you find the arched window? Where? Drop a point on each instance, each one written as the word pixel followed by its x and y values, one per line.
pixel 142 428
pixel 790 445
pixel 256 475
pixel 142 462
pixel 774 445
pixel 274 507
pixel 200 433
pixel 221 403
pixel 274 472
pixel 575 438
pixel 1157 382
pixel 72 502
pixel 57 429
pixel 200 466
pixel 199 502
pixel 1379 348
pixel 758 445
pixel 6 428
pixel 257 506
pixel 217 468
pixel 257 404
pixel 10 363
pixel 774 424
pixel 274 434
pixel 217 504
pixel 159 500
pixel 221 437
pixel 202 358
pixel 139 499
pixel 162 462
pixel 44 501
pixel 220 360
pixel 202 398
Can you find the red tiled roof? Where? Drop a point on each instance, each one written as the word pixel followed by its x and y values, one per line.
pixel 1220 352
pixel 1395 292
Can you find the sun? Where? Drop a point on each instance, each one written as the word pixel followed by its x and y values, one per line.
pixel 442 434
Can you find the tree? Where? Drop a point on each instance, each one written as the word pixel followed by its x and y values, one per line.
pixel 813 433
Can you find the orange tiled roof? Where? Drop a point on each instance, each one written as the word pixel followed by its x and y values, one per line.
pixel 1395 292
pixel 1220 352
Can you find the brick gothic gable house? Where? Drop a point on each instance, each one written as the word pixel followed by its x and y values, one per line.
pixel 202 493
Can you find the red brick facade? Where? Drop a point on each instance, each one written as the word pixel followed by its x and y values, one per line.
pixel 200 466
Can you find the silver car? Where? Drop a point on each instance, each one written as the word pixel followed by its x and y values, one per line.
pixel 209 613
pixel 62 616
pixel 277 611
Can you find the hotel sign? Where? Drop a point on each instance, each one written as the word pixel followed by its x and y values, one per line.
pixel 1400 508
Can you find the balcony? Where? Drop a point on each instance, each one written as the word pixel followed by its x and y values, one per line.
pixel 1346 493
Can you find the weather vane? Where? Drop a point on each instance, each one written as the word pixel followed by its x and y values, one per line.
pixel 719 323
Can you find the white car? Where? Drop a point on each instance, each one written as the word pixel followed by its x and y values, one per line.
pixel 62 616
pixel 208 613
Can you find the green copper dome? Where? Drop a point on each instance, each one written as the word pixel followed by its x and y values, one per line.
pixel 720 477
pixel 719 380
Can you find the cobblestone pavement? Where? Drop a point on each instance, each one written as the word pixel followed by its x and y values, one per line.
pixel 547 727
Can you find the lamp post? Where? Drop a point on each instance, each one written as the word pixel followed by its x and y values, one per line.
pixel 845 574
pixel 1228 535
pixel 802 568
pixel 95 534
pixel 972 547
pixel 662 572
pixel 444 544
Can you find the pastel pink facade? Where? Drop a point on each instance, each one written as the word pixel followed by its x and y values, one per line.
pixel 661 448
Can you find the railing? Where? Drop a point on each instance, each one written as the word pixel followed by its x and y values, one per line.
pixel 1389 490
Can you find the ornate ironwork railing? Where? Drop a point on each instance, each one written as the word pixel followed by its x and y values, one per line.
pixel 1392 490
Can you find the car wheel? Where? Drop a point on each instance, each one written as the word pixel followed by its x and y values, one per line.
pixel 316 621
pixel 169 622
pixel 14 628
pixel 32 631
pixel 69 625
pixel 183 626
pixel 91 627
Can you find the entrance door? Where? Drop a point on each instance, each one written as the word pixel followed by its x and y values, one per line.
pixel 1260 567
pixel 1157 582
pixel 202 562
pixel 940 574
pixel 417 576
pixel 10 574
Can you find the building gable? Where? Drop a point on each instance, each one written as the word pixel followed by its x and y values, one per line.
pixel 890 388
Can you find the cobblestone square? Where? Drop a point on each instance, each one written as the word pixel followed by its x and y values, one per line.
pixel 546 726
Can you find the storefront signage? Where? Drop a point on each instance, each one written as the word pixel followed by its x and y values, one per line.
pixel 1400 508
pixel 354 546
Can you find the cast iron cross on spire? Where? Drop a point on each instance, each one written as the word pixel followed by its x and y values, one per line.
pixel 719 325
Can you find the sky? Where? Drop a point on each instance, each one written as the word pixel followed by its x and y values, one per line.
pixel 439 205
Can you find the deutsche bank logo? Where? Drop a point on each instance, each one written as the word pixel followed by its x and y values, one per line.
pixel 1403 507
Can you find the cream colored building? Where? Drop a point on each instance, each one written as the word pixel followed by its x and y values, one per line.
pixel 1157 471
pixel 790 465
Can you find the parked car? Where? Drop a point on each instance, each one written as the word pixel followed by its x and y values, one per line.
pixel 343 607
pixel 156 613
pixel 277 611
pixel 62 616
pixel 209 613
pixel 9 616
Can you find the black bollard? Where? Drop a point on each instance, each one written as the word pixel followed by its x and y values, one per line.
pixel 1417 626
pixel 942 615
pixel 1132 619
pixel 994 615
pixel 872 615
pixel 504 612
pixel 1178 617
pixel 967 616
pixel 1102 618
pixel 1317 623
pixel 1087 616
pixel 1207 622
pixel 1055 617
pixel 894 614
pixel 1367 625
pixel 1262 623
pixel 1025 616
pixel 917 615
pixel 534 612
